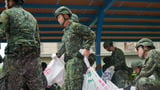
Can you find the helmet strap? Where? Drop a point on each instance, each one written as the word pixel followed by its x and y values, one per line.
pixel 144 51
pixel 65 19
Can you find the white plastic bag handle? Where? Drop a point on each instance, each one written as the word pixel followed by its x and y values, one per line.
pixel 85 59
pixel 86 62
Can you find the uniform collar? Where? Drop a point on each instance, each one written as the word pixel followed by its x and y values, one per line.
pixel 70 22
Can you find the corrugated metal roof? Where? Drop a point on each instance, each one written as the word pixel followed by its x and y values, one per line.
pixel 124 20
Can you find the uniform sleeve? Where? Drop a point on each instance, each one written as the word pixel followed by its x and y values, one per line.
pixel 87 34
pixel 148 68
pixel 120 58
pixel 61 50
pixel 37 36
pixel 3 24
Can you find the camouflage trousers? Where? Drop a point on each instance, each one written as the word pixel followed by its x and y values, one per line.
pixel 120 78
pixel 75 68
pixel 23 68
pixel 147 84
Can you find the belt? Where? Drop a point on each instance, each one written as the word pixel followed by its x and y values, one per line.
pixel 68 57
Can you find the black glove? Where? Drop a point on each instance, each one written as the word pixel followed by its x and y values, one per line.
pixel 1 59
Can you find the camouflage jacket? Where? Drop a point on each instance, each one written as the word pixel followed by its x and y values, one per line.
pixel 76 36
pixel 19 27
pixel 118 59
pixel 151 65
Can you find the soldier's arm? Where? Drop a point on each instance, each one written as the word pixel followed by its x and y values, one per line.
pixel 3 24
pixel 87 34
pixel 120 58
pixel 148 69
pixel 61 50
pixel 37 36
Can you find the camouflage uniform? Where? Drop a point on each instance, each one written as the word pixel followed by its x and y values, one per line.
pixel 76 36
pixel 21 63
pixel 135 64
pixel 74 18
pixel 149 77
pixel 121 75
pixel 150 74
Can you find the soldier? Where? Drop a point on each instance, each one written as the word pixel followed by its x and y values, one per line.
pixel 76 36
pixel 136 66
pixel 21 62
pixel 149 77
pixel 118 60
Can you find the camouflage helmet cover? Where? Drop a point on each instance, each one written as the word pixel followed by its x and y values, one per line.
pixel 75 18
pixel 136 64
pixel 144 42
pixel 63 10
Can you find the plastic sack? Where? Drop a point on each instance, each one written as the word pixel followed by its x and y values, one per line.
pixel 55 72
pixel 108 73
pixel 111 86
pixel 92 81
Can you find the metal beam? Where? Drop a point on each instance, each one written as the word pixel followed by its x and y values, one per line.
pixel 101 15
pixel 108 4
pixel 132 17
pixel 52 15
pixel 151 1
pixel 132 23
pixel 135 9
pixel 98 42
pixel 57 6
pixel 79 7
pixel 131 30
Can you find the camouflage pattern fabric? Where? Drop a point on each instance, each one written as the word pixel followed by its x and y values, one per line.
pixel 150 74
pixel 24 68
pixel 120 76
pixel 23 49
pixel 131 79
pixel 75 68
pixel 76 36
pixel 3 77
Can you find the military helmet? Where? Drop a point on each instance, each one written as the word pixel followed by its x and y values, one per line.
pixel 144 42
pixel 75 18
pixel 136 64
pixel 63 10
pixel 107 44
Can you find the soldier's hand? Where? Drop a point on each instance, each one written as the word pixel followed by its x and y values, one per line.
pixel 54 56
pixel 86 53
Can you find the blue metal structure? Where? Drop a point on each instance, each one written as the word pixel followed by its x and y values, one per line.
pixel 117 20
pixel 98 33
